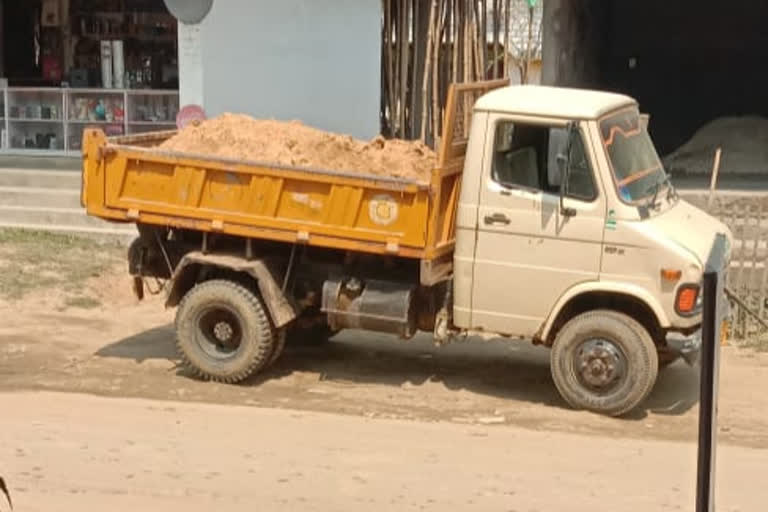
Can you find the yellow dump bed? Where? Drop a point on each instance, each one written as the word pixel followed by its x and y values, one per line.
pixel 130 179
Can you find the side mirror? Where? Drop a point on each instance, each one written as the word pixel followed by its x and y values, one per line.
pixel 564 161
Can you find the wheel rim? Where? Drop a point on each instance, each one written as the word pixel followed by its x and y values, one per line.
pixel 600 365
pixel 220 332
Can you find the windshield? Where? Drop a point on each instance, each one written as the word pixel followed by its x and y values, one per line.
pixel 637 170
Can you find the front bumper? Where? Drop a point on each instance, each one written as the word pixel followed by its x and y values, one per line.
pixel 686 346
pixel 689 346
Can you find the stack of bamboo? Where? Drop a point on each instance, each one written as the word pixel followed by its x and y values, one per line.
pixel 429 44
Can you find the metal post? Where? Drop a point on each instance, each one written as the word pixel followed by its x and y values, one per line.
pixel 714 308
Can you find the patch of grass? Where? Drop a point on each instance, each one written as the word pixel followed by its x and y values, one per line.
pixel 35 260
pixel 45 238
pixel 82 302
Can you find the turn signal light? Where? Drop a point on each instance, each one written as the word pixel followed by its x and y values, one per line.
pixel 671 275
pixel 686 299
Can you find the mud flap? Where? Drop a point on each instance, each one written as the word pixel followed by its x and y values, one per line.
pixel 138 287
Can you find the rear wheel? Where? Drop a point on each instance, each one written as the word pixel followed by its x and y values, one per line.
pixel 605 362
pixel 223 331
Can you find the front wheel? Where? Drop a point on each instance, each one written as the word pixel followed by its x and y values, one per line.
pixel 605 362
pixel 223 332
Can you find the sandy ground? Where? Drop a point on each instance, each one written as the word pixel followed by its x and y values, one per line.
pixel 365 421
pixel 76 452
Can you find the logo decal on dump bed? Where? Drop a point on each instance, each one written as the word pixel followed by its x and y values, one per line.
pixel 383 210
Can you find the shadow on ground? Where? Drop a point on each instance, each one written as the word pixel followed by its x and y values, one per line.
pixel 157 343
pixel 512 370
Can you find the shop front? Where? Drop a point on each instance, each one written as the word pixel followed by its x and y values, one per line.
pixel 71 64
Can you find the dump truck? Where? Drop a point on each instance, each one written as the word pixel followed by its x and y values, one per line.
pixel 548 217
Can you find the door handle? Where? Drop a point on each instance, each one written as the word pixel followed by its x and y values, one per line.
pixel 497 218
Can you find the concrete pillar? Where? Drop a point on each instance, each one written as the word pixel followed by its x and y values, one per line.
pixel 573 34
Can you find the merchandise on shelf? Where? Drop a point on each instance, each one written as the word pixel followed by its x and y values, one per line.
pixel 155 108
pixel 97 109
pixel 48 110
pixel 37 139
pixel 45 119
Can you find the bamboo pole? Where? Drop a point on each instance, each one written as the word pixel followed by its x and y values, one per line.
pixel 436 74
pixel 467 60
pixel 467 42
pixel 455 45
pixel 403 65
pixel 414 125
pixel 395 35
pixel 427 65
pixel 428 46
pixel 506 38
pixel 478 49
pixel 528 46
pixel 387 42
pixel 713 181
pixel 484 34
pixel 496 28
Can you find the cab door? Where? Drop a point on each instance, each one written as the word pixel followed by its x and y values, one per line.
pixel 528 252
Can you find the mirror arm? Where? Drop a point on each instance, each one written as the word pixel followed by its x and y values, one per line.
pixel 567 212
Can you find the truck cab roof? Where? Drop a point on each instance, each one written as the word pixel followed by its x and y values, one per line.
pixel 546 101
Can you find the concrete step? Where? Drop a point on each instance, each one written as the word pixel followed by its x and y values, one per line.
pixel 125 236
pixel 40 179
pixel 53 217
pixel 39 197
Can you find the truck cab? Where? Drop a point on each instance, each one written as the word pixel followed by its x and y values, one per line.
pixel 569 232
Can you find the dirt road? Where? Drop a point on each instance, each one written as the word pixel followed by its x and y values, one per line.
pixel 76 452
pixel 125 349
pixel 410 425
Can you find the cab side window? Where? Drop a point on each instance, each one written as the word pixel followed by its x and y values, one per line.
pixel 531 156
pixel 517 154
pixel 581 183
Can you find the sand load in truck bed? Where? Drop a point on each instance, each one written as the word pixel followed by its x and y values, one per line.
pixel 295 144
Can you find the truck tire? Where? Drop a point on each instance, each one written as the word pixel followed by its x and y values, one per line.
pixel 223 332
pixel 280 337
pixel 605 362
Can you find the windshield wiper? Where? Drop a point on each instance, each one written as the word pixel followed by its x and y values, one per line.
pixel 671 190
pixel 656 187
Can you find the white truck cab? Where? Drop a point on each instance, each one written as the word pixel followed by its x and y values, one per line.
pixel 569 232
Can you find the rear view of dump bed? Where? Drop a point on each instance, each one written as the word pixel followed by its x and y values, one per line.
pixel 130 179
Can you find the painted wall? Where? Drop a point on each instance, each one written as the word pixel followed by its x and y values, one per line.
pixel 294 59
